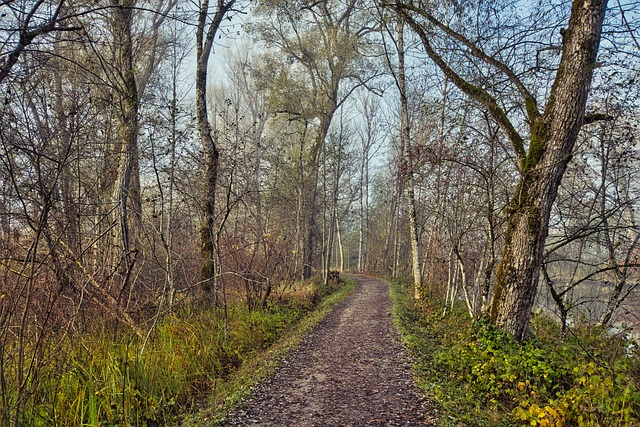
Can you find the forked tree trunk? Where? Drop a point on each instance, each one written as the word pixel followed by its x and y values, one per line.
pixel 553 137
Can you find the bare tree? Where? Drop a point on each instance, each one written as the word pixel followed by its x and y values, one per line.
pixel 553 135
pixel 206 32
pixel 371 135
pixel 324 42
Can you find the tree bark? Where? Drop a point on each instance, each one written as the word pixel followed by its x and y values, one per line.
pixel 126 191
pixel 205 35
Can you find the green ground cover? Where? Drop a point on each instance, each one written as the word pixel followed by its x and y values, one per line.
pixel 479 376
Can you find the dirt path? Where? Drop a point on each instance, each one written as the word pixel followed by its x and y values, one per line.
pixel 352 370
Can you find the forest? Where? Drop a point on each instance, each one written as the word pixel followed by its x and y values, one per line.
pixel 179 181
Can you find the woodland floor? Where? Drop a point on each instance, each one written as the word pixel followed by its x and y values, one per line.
pixel 352 370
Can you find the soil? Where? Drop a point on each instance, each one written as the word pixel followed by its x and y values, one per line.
pixel 352 370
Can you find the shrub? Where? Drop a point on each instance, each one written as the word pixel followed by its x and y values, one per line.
pixel 108 381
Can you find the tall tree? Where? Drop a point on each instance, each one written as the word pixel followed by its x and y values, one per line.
pixel 323 42
pixel 553 132
pixel 407 164
pixel 370 135
pixel 205 36
pixel 126 190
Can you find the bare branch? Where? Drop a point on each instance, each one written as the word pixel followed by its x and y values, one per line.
pixel 476 93
pixel 529 100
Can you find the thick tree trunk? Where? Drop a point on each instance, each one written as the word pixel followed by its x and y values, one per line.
pixel 553 137
pixel 408 166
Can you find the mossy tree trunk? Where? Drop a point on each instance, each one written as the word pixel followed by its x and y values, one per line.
pixel 542 165
pixel 553 136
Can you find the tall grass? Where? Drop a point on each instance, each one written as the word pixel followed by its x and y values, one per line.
pixel 104 380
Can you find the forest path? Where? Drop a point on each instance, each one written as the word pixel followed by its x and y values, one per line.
pixel 352 370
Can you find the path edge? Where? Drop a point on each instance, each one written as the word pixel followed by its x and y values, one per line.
pixel 264 364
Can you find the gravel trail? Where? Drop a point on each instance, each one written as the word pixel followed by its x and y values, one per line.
pixel 352 370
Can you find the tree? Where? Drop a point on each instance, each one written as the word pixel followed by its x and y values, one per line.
pixel 320 49
pixel 553 133
pixel 370 134
pixel 205 36
pixel 407 164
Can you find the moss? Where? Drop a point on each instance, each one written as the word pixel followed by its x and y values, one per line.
pixel 537 146
pixel 532 219
pixel 531 107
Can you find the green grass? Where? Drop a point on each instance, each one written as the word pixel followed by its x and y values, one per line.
pixel 479 376
pixel 189 369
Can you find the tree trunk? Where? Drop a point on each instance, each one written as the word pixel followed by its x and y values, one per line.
pixel 126 191
pixel 463 281
pixel 396 233
pixel 205 36
pixel 311 190
pixel 362 222
pixel 340 245
pixel 553 137
pixel 408 167
pixel 308 212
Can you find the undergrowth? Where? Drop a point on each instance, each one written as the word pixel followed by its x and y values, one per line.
pixel 187 364
pixel 480 376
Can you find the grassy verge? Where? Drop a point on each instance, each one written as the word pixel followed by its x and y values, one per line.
pixel 103 378
pixel 263 363
pixel 478 376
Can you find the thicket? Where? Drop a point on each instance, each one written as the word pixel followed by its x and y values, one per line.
pixel 190 361
pixel 482 377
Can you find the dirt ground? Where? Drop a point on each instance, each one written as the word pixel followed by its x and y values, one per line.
pixel 352 370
